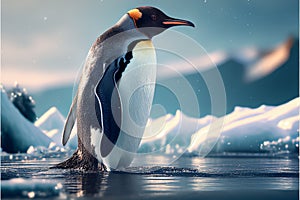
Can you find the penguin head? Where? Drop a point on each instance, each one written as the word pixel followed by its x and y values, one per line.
pixel 152 21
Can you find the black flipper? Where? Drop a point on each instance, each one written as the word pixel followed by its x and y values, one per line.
pixel 70 121
pixel 108 104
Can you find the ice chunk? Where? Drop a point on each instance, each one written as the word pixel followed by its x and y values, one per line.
pixel 52 124
pixel 171 133
pixel 245 130
pixel 17 133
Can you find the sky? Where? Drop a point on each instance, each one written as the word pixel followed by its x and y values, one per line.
pixel 44 43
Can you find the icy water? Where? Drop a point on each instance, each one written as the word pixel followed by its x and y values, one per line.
pixel 222 177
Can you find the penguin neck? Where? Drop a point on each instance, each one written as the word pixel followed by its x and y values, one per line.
pixel 117 41
pixel 125 29
pixel 112 44
pixel 133 36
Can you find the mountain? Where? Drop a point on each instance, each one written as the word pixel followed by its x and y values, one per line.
pixel 279 85
pixel 274 88
pixel 269 61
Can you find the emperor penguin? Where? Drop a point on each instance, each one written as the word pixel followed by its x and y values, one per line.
pixel 115 92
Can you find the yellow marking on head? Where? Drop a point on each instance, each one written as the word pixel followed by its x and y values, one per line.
pixel 135 14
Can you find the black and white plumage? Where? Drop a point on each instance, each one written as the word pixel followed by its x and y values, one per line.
pixel 115 93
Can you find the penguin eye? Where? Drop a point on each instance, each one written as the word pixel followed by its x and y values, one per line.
pixel 153 17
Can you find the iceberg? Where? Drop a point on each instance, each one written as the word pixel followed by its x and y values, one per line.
pixel 170 134
pixel 17 133
pixel 20 135
pixel 266 129
pixel 52 124
pixel 250 131
pixel 50 120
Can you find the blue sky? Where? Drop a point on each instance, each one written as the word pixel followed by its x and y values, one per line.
pixel 44 43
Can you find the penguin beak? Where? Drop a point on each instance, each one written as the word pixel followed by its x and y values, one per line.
pixel 169 22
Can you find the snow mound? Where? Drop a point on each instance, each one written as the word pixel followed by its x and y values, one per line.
pixel 246 131
pixel 52 124
pixel 170 134
pixel 259 130
pixel 50 120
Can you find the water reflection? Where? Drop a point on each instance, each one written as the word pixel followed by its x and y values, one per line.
pixel 85 184
pixel 102 184
pixel 188 174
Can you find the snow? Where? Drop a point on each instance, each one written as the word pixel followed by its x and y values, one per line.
pixel 169 132
pixel 258 62
pixel 262 129
pixel 52 118
pixel 246 134
pixel 247 55
pixel 24 136
pixel 52 124
pixel 243 130
pixel 289 123
pixel 271 61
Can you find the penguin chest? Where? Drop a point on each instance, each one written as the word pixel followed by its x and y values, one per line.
pixel 135 90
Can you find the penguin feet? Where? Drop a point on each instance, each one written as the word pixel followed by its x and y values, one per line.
pixel 82 161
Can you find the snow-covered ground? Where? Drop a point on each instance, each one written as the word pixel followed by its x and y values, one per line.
pixel 247 130
pixel 243 130
pixel 262 129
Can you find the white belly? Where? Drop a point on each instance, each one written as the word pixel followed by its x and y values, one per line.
pixel 136 89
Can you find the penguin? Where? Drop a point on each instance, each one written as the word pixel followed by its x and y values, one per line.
pixel 115 92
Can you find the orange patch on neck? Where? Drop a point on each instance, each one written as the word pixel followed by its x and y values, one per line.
pixel 135 14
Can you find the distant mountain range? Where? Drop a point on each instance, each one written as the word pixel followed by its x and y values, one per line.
pixel 278 86
pixel 270 77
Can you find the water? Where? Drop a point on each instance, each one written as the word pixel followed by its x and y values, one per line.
pixel 219 177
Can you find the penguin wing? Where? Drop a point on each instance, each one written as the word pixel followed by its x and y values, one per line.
pixel 70 121
pixel 108 104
